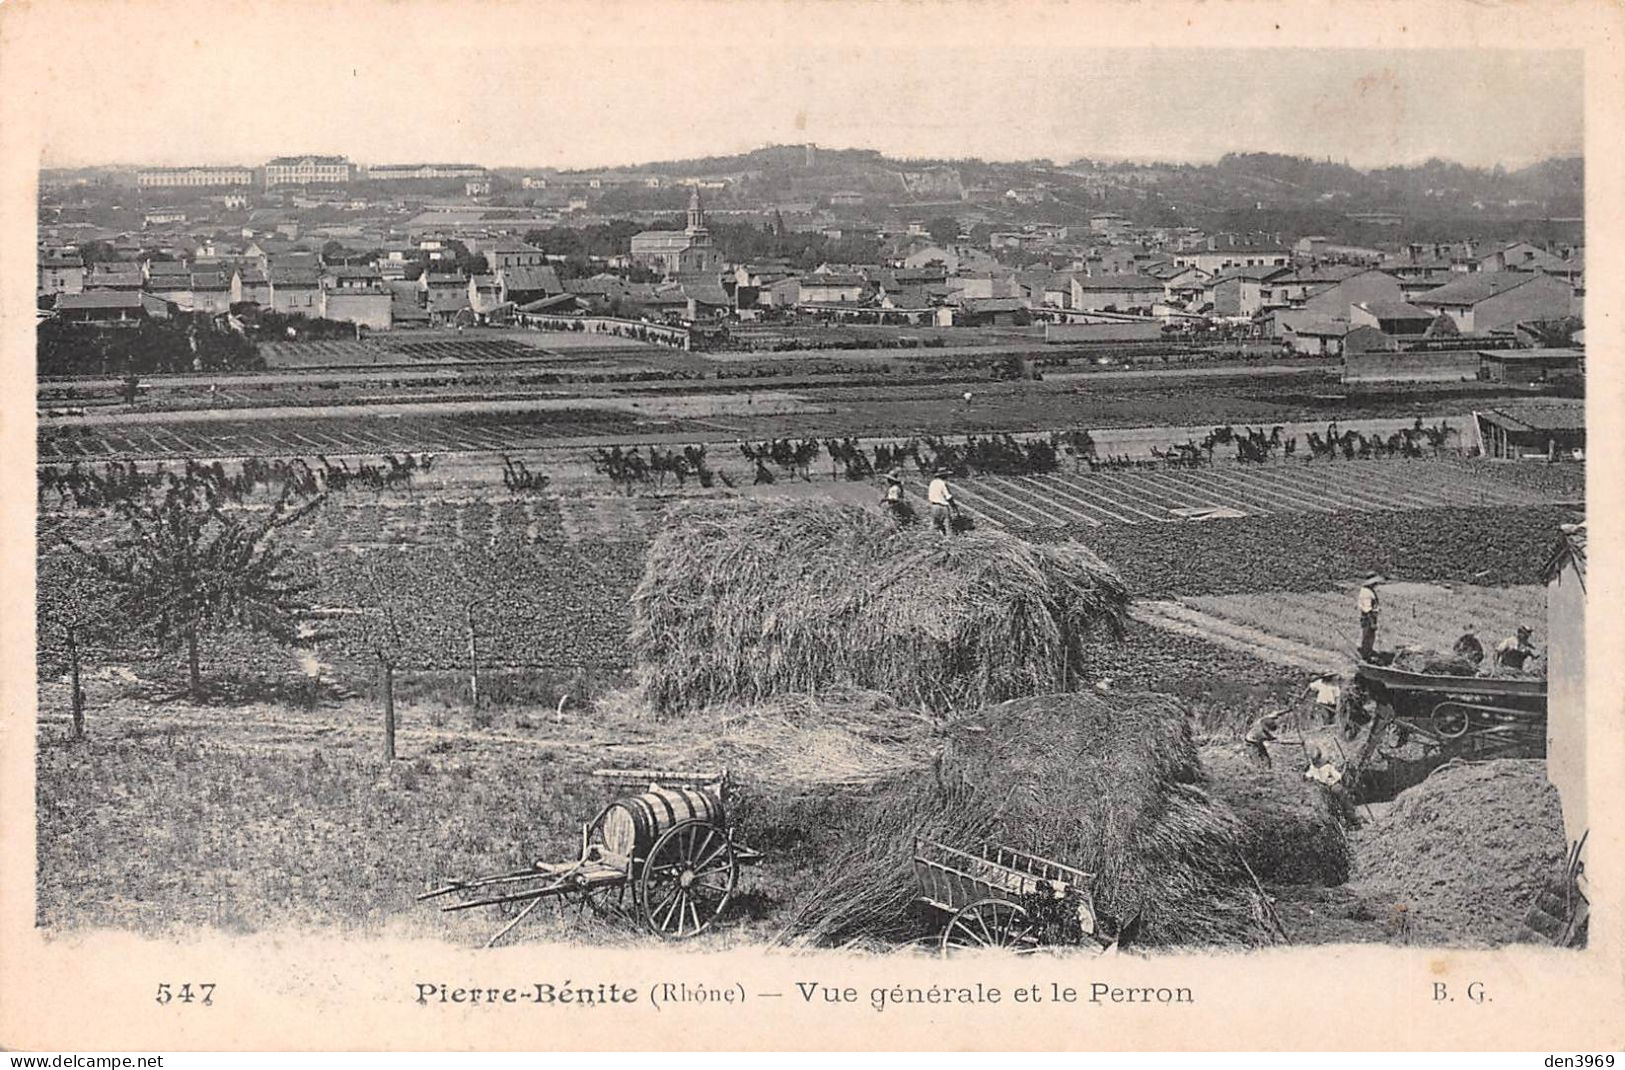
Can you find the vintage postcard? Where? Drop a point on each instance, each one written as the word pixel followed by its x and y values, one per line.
pixel 724 525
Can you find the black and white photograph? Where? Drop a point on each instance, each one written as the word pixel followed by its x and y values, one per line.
pixel 641 484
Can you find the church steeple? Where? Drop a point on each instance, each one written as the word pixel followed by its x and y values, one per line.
pixel 696 213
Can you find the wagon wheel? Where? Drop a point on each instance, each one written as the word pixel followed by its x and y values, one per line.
pixel 991 923
pixel 1451 719
pixel 687 879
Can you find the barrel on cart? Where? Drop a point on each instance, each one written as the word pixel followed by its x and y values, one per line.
pixel 665 857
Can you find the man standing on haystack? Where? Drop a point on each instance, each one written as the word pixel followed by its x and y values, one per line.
pixel 1367 602
pixel 943 506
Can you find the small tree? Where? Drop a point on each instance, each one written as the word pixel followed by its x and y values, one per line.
pixel 186 566
pixel 944 229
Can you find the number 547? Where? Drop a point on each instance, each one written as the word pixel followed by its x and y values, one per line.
pixel 186 993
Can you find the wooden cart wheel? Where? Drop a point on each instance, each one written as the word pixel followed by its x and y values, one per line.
pixel 687 879
pixel 991 923
pixel 1451 719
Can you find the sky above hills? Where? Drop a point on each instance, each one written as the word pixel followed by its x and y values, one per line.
pixel 506 85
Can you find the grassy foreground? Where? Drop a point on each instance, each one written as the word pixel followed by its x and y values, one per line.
pixel 174 818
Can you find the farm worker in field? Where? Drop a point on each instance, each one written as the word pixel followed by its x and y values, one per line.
pixel 1367 602
pixel 893 499
pixel 1327 692
pixel 1468 648
pixel 1260 732
pixel 1514 651
pixel 942 503
pixel 1323 773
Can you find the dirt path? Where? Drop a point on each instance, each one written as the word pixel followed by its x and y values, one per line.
pixel 1183 620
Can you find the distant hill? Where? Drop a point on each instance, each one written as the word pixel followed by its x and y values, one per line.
pixel 1318 193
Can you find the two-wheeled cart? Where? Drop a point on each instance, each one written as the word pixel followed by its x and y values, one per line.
pixel 665 857
pixel 999 897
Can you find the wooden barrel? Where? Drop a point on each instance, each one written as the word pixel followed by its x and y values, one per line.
pixel 633 824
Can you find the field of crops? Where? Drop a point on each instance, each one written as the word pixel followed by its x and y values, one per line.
pixel 1136 495
pixel 305 436
pixel 440 347
pixel 545 583
pixel 1494 546
pixel 327 353
pixel 1314 630
pixel 458 350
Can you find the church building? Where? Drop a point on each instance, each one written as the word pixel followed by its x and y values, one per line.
pixel 679 252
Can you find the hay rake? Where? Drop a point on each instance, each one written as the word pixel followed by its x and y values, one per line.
pixel 665 857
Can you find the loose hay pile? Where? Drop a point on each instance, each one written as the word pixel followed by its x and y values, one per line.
pixel 1467 851
pixel 741 601
pixel 839 740
pixel 1107 783
pixel 1291 833
pixel 1434 662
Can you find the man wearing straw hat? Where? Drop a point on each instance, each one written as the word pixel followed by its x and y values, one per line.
pixel 1367 602
pixel 942 504
pixel 893 500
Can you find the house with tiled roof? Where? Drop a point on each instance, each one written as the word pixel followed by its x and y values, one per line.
pixel 1220 257
pixel 483 293
pixel 110 308
pixel 523 284
pixel 1498 300
pixel 295 291
pixel 443 294
pixel 351 277
pixel 115 275
pixel 1239 292
pixel 1516 256
pixel 250 284
pixel 1115 293
pixel 831 287
pixel 61 274
pixel 503 253
pixel 1333 299
pixel 1396 319
pixel 207 291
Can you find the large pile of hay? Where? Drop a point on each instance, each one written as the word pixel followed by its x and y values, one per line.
pixel 1467 850
pixel 1107 783
pixel 744 600
pixel 1292 835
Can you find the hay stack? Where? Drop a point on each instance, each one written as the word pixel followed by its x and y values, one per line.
pixel 742 600
pixel 1467 850
pixel 1107 783
pixel 1292 835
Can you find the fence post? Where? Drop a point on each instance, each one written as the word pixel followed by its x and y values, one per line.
pixel 389 709
pixel 473 659
pixel 78 694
